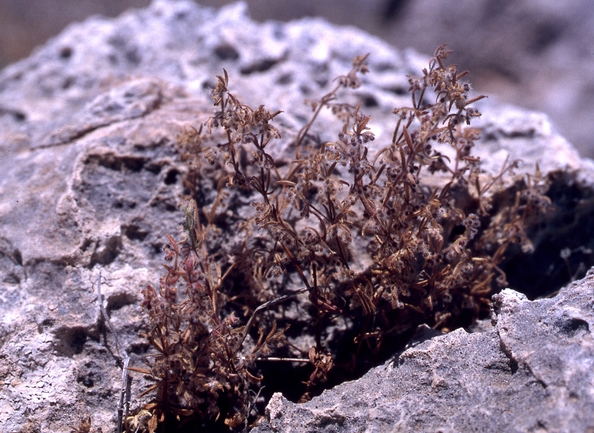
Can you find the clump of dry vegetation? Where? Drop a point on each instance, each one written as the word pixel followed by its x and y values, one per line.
pixel 322 260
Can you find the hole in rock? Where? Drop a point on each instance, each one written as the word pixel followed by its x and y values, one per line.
pixel 563 241
pixel 574 326
pixel 119 300
pixel 106 251
pixel 226 52
pixel 370 101
pixel 135 231
pixel 260 66
pixel 171 177
pixel 70 341
pixel 65 52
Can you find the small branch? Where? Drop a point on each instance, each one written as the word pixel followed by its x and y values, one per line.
pixel 266 305
pixel 276 359
pixel 124 358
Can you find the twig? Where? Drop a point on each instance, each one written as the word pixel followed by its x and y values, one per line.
pixel 266 305
pixel 124 358
pixel 249 408
pixel 277 359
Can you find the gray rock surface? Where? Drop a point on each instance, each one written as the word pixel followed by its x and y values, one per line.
pixel 535 53
pixel 531 371
pixel 90 182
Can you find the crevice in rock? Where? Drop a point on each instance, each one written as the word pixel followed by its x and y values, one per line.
pixel 106 251
pixel 119 300
pixel 164 203
pixel 89 374
pixel 171 177
pixel 122 182
pixel 262 65
pixel 154 167
pixel 397 90
pixel 516 365
pixel 226 52
pixel 16 115
pixel 117 162
pixel 69 341
pixel 563 240
pixel 136 230
pixel 512 362
pixel 12 270
pixel 573 326
pixel 65 52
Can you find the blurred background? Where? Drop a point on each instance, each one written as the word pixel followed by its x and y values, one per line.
pixel 534 53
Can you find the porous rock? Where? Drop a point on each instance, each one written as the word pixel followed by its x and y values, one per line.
pixel 90 181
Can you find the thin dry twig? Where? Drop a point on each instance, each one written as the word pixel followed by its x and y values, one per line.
pixel 124 401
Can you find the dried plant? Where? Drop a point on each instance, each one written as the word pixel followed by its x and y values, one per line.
pixel 199 369
pixel 351 242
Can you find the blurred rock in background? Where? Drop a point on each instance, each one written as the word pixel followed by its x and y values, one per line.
pixel 534 53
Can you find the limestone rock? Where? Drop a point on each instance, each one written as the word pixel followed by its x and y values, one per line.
pixel 530 371
pixel 90 182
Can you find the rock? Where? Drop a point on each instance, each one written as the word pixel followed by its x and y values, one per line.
pixel 534 53
pixel 531 371
pixel 91 179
